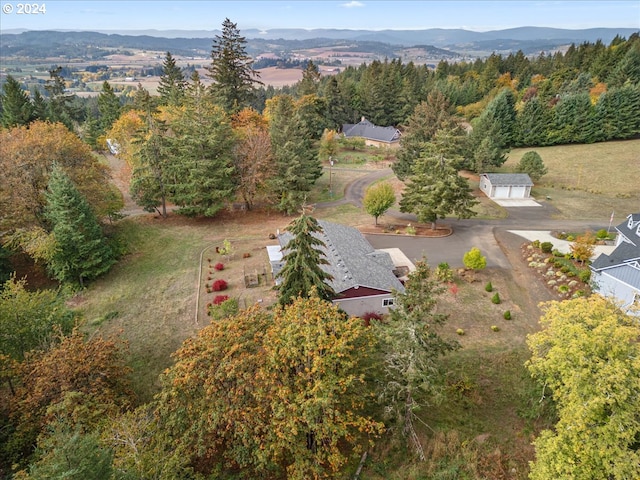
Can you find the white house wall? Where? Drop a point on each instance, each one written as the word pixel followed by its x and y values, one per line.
pixel 621 293
pixel 358 306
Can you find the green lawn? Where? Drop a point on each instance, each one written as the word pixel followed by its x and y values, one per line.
pixel 588 181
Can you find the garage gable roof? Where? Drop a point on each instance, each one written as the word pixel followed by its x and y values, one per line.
pixel 508 179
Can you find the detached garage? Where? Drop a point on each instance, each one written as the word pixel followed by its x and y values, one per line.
pixel 506 185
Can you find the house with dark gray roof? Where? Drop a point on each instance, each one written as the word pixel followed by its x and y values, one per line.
pixel 506 185
pixel 373 135
pixel 617 275
pixel 363 277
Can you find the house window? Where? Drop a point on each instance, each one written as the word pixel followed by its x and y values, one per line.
pixel 387 302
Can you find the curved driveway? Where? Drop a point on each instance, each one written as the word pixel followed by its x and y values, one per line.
pixel 466 233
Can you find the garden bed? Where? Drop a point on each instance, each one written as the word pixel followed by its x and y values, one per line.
pixel 561 274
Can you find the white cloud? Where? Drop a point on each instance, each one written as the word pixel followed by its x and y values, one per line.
pixel 353 3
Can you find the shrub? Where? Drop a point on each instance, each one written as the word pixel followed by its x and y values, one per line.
pixel 368 316
pixel 602 234
pixel 488 287
pixel 474 260
pixel 546 247
pixel 219 299
pixel 443 272
pixel 219 266
pixel 570 238
pixel 532 164
pixel 495 328
pixel 411 230
pixel 563 288
pixel 246 255
pixel 496 298
pixel 219 285
pixel 585 275
pixel 507 315
pixel 460 331
pixel 224 309
pixel 535 244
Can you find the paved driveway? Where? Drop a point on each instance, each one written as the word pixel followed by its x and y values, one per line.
pixel 449 249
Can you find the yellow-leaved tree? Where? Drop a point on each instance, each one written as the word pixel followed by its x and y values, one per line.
pixel 588 355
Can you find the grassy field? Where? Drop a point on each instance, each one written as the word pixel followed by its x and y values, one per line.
pixel 588 181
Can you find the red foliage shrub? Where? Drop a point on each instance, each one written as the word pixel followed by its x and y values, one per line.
pixel 220 299
pixel 219 285
pixel 219 266
pixel 368 316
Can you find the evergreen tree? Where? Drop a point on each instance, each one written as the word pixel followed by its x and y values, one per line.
pixel 411 344
pixel 150 177
pixel 427 118
pixel 39 105
pixel 335 108
pixel 574 120
pixel 498 122
pixel 71 454
pixel 172 84
pixel 202 165
pixel 82 251
pixel 60 106
pixel 302 272
pixel 297 163
pixel 17 108
pixel 533 124
pixel 310 80
pixel 109 106
pixel 435 189
pixel 231 69
pixel 616 113
pixel 531 163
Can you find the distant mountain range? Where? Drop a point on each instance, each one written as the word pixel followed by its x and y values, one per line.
pixel 528 39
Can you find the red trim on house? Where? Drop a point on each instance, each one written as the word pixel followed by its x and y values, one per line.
pixel 361 292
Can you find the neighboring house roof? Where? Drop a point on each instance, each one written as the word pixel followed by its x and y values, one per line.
pixel 505 179
pixel 630 229
pixel 623 263
pixel 368 130
pixel 353 262
pixel 625 253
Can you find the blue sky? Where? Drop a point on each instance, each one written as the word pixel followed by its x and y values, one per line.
pixel 351 14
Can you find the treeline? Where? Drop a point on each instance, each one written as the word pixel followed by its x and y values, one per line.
pixel 587 94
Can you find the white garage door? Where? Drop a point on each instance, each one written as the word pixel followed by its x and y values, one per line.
pixel 502 192
pixel 518 192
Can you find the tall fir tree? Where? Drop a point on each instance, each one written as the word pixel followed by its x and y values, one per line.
pixel 412 344
pixel 17 108
pixel 427 118
pixel 310 80
pixel 150 178
pixel 302 272
pixel 60 107
pixel 295 155
pixel 231 69
pixel 82 252
pixel 172 84
pixel 202 166
pixel 435 189
pixel 109 106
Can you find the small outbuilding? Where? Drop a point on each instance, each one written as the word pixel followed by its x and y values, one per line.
pixel 506 185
